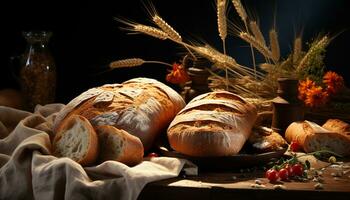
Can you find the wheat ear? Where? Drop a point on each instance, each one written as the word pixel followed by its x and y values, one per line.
pixel 154 32
pixel 221 17
pixel 222 27
pixel 240 10
pixel 275 48
pixel 267 67
pixel 322 43
pixel 254 28
pixel 133 62
pixel 298 47
pixel 130 62
pixel 256 44
pixel 167 28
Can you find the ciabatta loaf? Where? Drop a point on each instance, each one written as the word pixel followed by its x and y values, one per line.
pixel 76 139
pixel 313 137
pixel 142 107
pixel 119 145
pixel 212 124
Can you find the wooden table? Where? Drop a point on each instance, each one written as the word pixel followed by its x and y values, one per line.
pixel 236 185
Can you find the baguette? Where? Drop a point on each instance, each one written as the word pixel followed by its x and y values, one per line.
pixel 313 137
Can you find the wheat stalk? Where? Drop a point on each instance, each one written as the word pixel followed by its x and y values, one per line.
pixel 167 28
pixel 322 43
pixel 240 10
pixel 257 32
pixel 297 49
pixel 130 62
pixel 133 62
pixel 275 48
pixel 267 67
pixel 256 44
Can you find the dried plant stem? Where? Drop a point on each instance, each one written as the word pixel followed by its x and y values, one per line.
pixel 275 48
pixel 297 49
pixel 133 62
pixel 256 44
pixel 321 44
pixel 252 52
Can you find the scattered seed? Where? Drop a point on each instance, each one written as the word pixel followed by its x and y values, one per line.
pixel 279 187
pixel 253 185
pixel 318 186
pixel 234 177
pixel 336 178
pixel 257 181
pixel 337 174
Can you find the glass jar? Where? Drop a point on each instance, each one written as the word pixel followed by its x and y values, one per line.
pixel 38 70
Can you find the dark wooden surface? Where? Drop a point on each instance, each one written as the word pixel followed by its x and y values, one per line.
pixel 223 185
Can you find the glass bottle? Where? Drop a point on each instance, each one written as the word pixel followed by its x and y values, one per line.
pixel 287 108
pixel 38 70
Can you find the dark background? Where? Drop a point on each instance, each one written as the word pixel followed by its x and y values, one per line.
pixel 86 37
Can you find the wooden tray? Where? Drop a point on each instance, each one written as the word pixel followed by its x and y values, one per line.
pixel 234 162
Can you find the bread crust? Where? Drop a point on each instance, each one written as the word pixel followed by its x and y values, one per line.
pixel 313 137
pixel 338 126
pixel 93 145
pixel 143 107
pixel 130 153
pixel 213 124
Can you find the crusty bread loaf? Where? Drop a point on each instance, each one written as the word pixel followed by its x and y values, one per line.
pixel 141 106
pixel 118 145
pixel 264 139
pixel 76 139
pixel 313 137
pixel 213 124
pixel 338 126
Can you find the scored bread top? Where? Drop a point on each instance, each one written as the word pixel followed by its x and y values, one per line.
pixel 220 106
pixel 139 106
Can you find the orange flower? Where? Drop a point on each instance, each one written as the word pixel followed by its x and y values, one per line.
pixel 316 97
pixel 333 81
pixel 304 87
pixel 178 75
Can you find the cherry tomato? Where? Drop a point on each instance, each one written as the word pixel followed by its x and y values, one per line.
pixel 283 174
pixel 152 155
pixel 272 175
pixel 295 146
pixel 297 169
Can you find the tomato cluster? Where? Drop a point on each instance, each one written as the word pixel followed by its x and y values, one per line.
pixel 285 173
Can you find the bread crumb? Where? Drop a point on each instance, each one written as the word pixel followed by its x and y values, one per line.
pixel 257 181
pixel 253 185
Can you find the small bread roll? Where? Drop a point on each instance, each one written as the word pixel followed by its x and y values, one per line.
pixel 119 145
pixel 76 139
pixel 313 137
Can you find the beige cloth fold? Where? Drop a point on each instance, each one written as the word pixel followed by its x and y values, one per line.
pixel 28 171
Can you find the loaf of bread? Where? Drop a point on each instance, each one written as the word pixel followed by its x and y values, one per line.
pixel 213 124
pixel 142 107
pixel 118 145
pixel 338 126
pixel 313 137
pixel 76 139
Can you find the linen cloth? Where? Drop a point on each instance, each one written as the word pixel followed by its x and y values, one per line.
pixel 29 171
